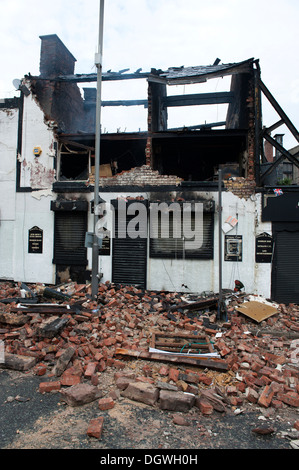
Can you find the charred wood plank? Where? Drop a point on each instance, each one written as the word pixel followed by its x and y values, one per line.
pixel 196 99
pixel 217 364
pixel 279 110
pixel 198 305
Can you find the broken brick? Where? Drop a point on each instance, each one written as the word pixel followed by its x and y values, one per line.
pixel 90 369
pixel 266 396
pixel 251 395
pixel 18 362
pixel 106 403
pixel 204 406
pixel 80 394
pixel 173 374
pixel 176 401
pixel 289 398
pixel 95 427
pixel 142 392
pixel 46 387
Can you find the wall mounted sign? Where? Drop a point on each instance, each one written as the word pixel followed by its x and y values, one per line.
pixel 233 248
pixel 35 240
pixel 263 248
pixel 105 249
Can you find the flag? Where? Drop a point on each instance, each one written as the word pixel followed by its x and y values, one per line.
pixel 278 192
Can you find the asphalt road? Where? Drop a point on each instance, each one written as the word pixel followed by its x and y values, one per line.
pixel 31 420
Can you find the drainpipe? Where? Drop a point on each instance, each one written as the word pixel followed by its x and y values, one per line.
pixel 95 245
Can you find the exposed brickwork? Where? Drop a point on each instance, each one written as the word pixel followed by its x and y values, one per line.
pixel 55 58
pixel 61 102
pixel 148 152
pixel 242 187
pixel 140 176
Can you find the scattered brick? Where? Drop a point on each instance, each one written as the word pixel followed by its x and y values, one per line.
pixel 176 401
pixel 290 398
pixel 142 392
pixel 106 403
pixel 46 387
pixel 82 345
pixel 80 394
pixel 95 427
pixel 266 396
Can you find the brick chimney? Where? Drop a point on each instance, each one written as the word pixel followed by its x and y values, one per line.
pixel 55 58
pixel 60 101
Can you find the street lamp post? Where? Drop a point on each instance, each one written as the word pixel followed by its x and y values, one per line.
pixel 98 64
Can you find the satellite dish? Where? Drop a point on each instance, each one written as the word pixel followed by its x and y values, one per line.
pixel 16 83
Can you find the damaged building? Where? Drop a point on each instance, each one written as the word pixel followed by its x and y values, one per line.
pixel 48 139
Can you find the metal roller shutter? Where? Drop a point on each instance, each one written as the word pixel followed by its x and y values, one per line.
pixel 285 274
pixel 129 258
pixel 69 238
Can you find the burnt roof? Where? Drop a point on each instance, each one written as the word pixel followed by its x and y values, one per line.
pixel 174 75
pixel 201 73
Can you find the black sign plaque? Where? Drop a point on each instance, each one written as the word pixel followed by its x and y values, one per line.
pixel 263 248
pixel 105 249
pixel 35 240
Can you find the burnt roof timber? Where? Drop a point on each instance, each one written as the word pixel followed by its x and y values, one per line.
pixel 278 109
pixel 125 103
pixel 198 99
pixel 172 76
pixel 204 132
pixel 199 126
pixel 78 137
pixel 284 154
pixel 200 74
pixel 92 77
pixel 277 124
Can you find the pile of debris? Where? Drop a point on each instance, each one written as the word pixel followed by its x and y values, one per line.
pixel 187 354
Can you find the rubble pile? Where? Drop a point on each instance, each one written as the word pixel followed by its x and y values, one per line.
pixel 71 342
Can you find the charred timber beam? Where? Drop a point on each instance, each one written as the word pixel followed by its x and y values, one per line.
pixel 258 124
pixel 279 110
pixel 199 99
pixel 272 128
pixel 217 364
pixel 199 126
pixel 284 154
pixel 92 77
pixel 126 103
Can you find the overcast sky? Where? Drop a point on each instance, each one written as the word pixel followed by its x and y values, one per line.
pixel 158 34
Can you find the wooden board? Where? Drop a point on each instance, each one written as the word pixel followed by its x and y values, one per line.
pixel 179 343
pixel 211 363
pixel 258 311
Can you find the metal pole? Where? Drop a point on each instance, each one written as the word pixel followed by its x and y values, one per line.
pixel 95 246
pixel 220 239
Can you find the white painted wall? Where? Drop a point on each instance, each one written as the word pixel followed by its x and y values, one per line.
pixel 203 275
pixel 31 212
pixel 23 210
pixel 36 172
pixel 8 145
